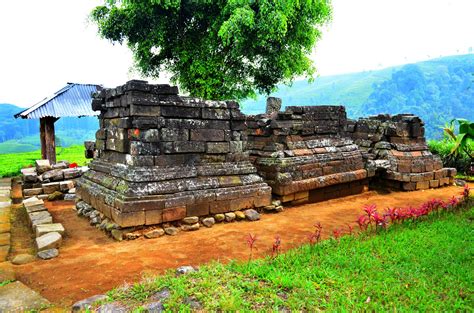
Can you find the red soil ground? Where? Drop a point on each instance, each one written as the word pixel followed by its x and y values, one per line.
pixel 91 263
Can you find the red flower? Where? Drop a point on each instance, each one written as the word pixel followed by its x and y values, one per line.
pixel 276 246
pixel 73 165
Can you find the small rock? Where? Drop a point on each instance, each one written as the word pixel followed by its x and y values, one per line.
pixel 72 191
pixel 190 220
pixel 154 233
pixel 132 236
pixel 110 226
pixel 49 241
pixel 219 217
pixel 117 234
pixel 185 270
pixel 70 197
pixel 459 182
pixel 57 195
pixel 154 307
pixel 172 231
pixel 269 208
pixel 229 217
pixel 193 303
pixel 252 215
pixel 23 259
pixel 113 307
pixel 276 202
pixel 208 221
pixel 239 215
pixel 95 220
pixel 86 304
pixel 103 224
pixel 161 295
pixel 279 209
pixel 190 227
pixel 48 254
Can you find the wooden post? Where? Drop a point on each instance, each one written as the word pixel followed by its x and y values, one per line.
pixel 42 138
pixel 48 144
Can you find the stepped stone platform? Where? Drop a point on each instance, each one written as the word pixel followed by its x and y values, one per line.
pixel 160 157
pixel 304 153
pixel 397 146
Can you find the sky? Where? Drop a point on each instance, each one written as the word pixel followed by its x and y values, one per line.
pixel 45 44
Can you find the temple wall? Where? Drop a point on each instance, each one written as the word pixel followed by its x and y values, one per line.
pixel 303 149
pixel 397 147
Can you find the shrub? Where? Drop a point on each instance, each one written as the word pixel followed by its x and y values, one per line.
pixel 443 148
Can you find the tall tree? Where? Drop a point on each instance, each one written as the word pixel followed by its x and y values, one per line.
pixel 218 49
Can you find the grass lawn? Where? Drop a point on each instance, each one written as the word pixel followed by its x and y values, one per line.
pixel 10 164
pixel 417 266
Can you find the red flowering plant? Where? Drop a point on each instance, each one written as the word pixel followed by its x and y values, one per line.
pixel 363 222
pixel 315 236
pixel 251 239
pixel 73 165
pixel 337 233
pixel 276 247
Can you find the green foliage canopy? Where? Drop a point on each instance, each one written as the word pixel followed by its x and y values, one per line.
pixel 218 49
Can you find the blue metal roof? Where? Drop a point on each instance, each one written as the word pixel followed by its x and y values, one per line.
pixel 72 100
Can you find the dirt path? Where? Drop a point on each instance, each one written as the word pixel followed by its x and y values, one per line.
pixel 91 263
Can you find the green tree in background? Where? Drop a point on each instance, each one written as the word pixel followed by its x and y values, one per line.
pixel 218 49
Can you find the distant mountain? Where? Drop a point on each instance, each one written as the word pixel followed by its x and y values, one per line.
pixel 437 90
pixel 21 135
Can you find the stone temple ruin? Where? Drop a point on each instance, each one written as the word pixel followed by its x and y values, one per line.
pixel 160 157
pixel 305 155
pixel 164 158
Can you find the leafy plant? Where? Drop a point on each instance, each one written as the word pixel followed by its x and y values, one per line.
pixel 464 138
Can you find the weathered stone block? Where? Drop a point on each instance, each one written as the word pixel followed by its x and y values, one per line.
pixel 48 241
pixel 42 166
pixel 153 217
pixel 49 228
pixel 207 135
pixel 50 187
pixel 174 214
pixel 174 134
pixel 218 147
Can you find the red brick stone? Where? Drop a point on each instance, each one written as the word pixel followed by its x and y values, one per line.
pixel 174 214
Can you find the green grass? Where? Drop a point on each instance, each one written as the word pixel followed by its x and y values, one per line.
pixel 418 266
pixel 11 163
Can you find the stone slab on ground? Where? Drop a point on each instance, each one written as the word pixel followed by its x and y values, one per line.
pixel 23 259
pixel 49 241
pixel 16 297
pixel 48 254
pixel 49 228
pixel 38 218
pixel 6 271
pixel 4 250
pixel 86 304
pixel 4 239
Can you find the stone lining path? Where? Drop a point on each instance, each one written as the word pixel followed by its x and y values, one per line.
pixel 91 263
pixel 14 295
pixel 5 225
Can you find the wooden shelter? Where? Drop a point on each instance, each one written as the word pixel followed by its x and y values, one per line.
pixel 73 100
